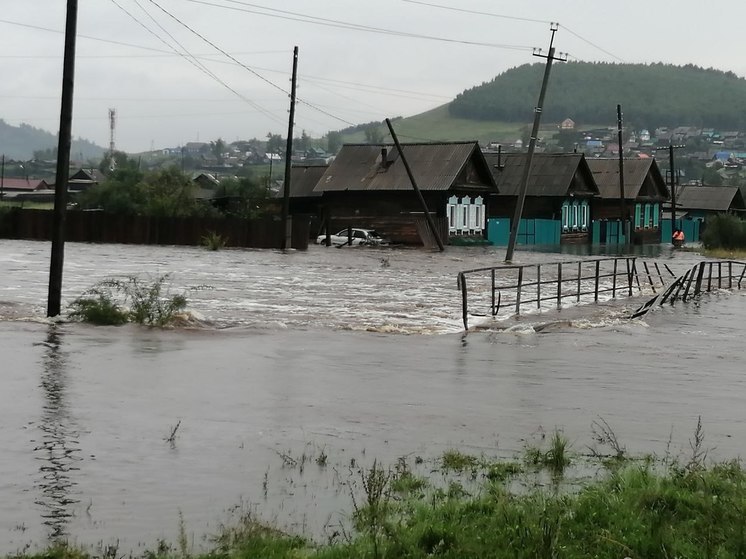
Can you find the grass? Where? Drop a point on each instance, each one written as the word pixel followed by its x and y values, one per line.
pixel 213 241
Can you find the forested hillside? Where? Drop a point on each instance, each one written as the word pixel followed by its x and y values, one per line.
pixel 651 95
pixel 20 142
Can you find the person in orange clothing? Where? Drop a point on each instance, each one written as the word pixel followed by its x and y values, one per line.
pixel 678 237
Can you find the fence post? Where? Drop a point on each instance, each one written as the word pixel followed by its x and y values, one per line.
pixel 518 293
pixel 464 306
pixel 494 311
pixel 700 274
pixel 559 285
pixel 741 278
pixel 709 278
pixel 730 274
pixel 595 289
pixel 613 279
pixel 650 278
pixel 629 277
pixel 580 275
pixel 538 286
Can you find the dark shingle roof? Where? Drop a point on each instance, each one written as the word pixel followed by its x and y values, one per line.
pixel 606 174
pixel 435 166
pixel 711 198
pixel 552 174
pixel 303 179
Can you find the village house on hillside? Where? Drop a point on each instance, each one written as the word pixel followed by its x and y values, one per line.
pixel 645 191
pixel 367 186
pixel 560 190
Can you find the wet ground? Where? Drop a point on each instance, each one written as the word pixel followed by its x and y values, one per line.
pixel 352 354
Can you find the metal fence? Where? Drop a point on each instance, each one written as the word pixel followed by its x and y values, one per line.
pixel 517 289
pixel 701 278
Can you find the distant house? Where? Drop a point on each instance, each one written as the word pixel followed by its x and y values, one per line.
pixel 84 179
pixel 645 191
pixel 567 124
pixel 22 185
pixel 367 186
pixel 196 148
pixel 560 188
pixel 700 202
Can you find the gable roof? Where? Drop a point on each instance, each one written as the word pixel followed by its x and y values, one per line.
pixel 552 174
pixel 636 173
pixel 711 198
pixel 303 179
pixel 22 184
pixel 436 167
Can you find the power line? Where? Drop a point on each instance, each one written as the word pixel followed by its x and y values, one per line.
pixel 515 18
pixel 254 72
pixel 304 18
pixel 191 59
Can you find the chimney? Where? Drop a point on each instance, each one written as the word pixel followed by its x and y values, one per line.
pixel 384 158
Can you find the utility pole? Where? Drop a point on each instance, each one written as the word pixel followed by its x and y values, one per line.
pixel 623 221
pixel 672 180
pixel 428 217
pixel 286 219
pixel 532 143
pixel 63 163
pixel 2 180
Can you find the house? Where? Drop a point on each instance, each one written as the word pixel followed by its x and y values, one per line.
pixel 558 196
pixel 22 185
pixel 699 202
pixel 567 124
pixel 84 179
pixel 367 185
pixel 303 198
pixel 645 191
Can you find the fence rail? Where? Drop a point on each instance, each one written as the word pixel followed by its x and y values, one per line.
pixel 520 288
pixel 703 277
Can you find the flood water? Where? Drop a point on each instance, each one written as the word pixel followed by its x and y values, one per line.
pixel 356 354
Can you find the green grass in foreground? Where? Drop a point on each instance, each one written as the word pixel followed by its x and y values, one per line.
pixel 639 509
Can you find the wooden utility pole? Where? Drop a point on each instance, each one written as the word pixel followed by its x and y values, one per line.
pixel 515 224
pixel 672 180
pixel 286 219
pixel 623 221
pixel 428 217
pixel 2 180
pixel 63 163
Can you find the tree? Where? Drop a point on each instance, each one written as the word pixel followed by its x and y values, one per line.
pixel 243 197
pixel 275 143
pixel 374 134
pixel 333 141
pixel 303 143
pixel 217 148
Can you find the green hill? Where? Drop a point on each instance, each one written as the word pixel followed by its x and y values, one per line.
pixel 20 142
pixel 651 95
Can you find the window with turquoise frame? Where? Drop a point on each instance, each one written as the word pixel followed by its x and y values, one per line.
pixel 638 215
pixel 584 215
pixel 656 215
pixel 565 216
pixel 575 217
pixel 648 217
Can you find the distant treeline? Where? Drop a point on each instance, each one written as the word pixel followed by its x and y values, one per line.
pixel 651 95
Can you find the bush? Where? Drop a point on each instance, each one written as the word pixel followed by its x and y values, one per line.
pixel 724 231
pixel 115 302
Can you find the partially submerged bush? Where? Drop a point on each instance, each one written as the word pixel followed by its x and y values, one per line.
pixel 117 301
pixel 214 241
pixel 725 231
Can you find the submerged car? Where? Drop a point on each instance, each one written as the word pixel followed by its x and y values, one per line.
pixel 359 237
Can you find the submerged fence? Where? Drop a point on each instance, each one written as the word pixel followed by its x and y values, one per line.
pixel 701 278
pixel 516 289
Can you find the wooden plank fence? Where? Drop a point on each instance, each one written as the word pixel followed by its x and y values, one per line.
pixel 100 227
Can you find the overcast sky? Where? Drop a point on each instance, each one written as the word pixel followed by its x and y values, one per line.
pixel 359 60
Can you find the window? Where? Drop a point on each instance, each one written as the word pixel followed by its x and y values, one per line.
pixel 584 216
pixel 575 215
pixel 565 216
pixel 451 217
pixel 638 216
pixel 656 215
pixel 478 217
pixel 648 217
pixel 465 222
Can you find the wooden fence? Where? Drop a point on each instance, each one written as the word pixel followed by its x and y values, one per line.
pixel 100 227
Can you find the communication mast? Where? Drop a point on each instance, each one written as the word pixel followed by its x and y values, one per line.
pixel 112 130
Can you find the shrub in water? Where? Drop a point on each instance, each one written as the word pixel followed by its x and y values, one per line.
pixel 115 301
pixel 214 241
pixel 724 231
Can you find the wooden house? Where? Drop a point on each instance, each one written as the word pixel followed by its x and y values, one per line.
pixel 645 191
pixel 367 185
pixel 560 188
pixel 303 198
pixel 700 202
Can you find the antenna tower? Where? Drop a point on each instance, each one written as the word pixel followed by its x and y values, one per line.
pixel 112 130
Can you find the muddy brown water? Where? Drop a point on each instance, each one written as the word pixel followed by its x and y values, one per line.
pixel 329 352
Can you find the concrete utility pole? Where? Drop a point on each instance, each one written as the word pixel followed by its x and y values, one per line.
pixel 63 163
pixel 532 143
pixel 623 218
pixel 286 219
